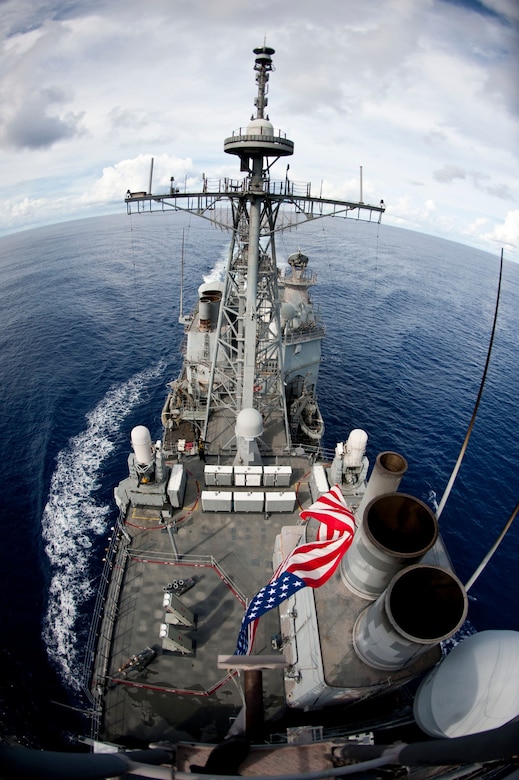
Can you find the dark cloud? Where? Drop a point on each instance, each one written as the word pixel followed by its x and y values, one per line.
pixel 496 190
pixel 435 137
pixel 448 173
pixel 504 10
pixel 35 124
pixel 26 15
pixel 481 181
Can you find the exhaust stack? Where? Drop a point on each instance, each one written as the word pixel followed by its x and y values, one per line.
pixel 423 605
pixel 204 313
pixel 397 531
pixel 386 476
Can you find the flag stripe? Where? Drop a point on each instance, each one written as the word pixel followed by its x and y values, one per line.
pixel 309 564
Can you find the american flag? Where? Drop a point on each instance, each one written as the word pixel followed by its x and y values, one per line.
pixel 309 564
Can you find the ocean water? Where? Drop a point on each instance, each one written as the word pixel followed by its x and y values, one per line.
pixel 89 337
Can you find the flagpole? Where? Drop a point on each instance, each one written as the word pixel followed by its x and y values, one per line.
pixel 252 667
pixel 254 714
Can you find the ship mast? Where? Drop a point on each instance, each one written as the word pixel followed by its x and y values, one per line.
pixel 237 370
pixel 251 302
pixel 254 149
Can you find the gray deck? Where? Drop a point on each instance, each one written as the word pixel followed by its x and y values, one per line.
pixel 229 555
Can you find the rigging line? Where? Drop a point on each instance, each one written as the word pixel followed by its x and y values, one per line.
pixel 182 276
pixel 476 405
pixel 135 298
pixel 331 272
pixel 134 268
pixel 492 550
pixel 374 318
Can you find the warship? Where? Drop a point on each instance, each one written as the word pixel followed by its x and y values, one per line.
pixel 270 608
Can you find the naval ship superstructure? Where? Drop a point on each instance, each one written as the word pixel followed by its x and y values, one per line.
pixel 209 512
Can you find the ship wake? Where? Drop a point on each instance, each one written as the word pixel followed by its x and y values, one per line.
pixel 72 519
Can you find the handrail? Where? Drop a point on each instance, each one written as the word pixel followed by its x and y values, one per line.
pixel 475 750
pixel 243 131
pixel 104 612
pixel 99 607
pixel 204 561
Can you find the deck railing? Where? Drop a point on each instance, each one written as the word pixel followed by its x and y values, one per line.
pixel 195 561
pixel 97 651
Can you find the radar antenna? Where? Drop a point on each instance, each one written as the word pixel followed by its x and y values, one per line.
pixel 263 66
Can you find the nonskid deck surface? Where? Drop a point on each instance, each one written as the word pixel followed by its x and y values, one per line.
pixel 229 555
pixel 290 759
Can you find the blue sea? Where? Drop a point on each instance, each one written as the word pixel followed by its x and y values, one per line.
pixel 89 337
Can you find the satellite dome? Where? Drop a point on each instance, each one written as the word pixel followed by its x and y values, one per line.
pixel 475 688
pixel 260 127
pixel 249 424
pixel 287 312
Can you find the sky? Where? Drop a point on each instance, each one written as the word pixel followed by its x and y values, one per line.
pixel 423 94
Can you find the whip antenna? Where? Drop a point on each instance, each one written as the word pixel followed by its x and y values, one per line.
pixel 492 550
pixel 182 280
pixel 476 405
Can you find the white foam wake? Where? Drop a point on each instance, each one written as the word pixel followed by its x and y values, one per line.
pixel 216 274
pixel 71 519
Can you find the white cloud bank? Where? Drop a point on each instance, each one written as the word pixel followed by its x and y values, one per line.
pixel 422 95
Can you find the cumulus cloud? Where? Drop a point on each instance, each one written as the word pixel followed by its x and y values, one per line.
pixel 506 233
pixel 410 213
pixel 134 175
pixel 106 193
